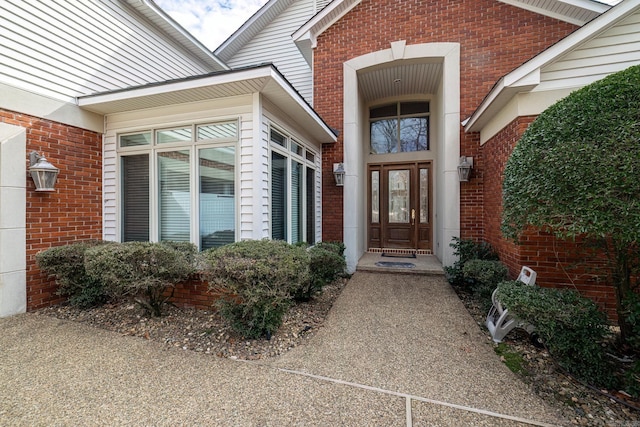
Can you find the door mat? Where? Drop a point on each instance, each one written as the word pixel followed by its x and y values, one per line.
pixel 390 264
pixel 391 255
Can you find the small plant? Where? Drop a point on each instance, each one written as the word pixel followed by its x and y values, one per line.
pixel 572 327
pixel 256 281
pixel 632 310
pixel 66 265
pixel 513 360
pixel 483 277
pixel 325 266
pixel 140 270
pixel 467 250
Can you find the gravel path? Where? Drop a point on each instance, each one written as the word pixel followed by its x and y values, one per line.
pixel 394 348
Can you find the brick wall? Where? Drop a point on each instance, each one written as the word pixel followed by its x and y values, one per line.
pixel 495 38
pixel 558 264
pixel 74 211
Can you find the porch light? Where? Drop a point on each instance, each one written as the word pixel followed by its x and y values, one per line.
pixel 464 168
pixel 338 174
pixel 43 173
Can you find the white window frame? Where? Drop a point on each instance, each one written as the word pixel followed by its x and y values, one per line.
pixel 302 159
pixel 193 147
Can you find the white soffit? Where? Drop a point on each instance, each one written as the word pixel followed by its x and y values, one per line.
pixel 527 76
pixel 577 12
pixel 403 78
pixel 264 79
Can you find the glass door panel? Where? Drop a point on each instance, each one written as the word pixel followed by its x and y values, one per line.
pixel 399 196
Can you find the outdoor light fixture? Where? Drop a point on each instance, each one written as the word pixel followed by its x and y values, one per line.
pixel 44 174
pixel 464 168
pixel 338 173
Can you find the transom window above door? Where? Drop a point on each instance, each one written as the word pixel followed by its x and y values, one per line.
pixel 399 127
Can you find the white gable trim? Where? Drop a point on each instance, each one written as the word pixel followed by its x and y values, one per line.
pixel 586 5
pixel 323 20
pixel 527 76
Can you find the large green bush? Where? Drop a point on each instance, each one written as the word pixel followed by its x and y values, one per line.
pixel 572 327
pixel 142 271
pixel 466 250
pixel 574 173
pixel 66 265
pixel 256 281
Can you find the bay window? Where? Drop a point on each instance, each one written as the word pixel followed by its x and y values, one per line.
pixel 293 189
pixel 178 184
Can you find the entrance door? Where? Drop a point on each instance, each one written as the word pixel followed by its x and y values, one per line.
pixel 399 206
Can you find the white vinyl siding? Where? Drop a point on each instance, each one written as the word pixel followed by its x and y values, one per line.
pixel 321 4
pixel 614 50
pixel 69 48
pixel 274 44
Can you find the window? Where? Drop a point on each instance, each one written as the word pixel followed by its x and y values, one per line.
pixel 293 190
pixel 399 127
pixel 178 184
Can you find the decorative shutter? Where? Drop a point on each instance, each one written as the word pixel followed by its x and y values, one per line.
pixel 278 196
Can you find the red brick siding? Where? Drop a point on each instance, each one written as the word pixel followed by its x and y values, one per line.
pixel 495 38
pixel 558 264
pixel 74 211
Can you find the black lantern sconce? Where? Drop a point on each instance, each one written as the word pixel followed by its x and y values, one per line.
pixel 43 173
pixel 464 168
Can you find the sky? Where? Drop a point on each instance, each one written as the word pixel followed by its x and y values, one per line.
pixel 210 21
pixel 213 21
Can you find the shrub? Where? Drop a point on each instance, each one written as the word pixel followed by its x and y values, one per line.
pixel 483 276
pixel 572 327
pixel 632 309
pixel 140 270
pixel 333 246
pixel 467 250
pixel 256 281
pixel 66 265
pixel 325 266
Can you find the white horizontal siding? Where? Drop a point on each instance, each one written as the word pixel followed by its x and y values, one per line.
pixel 68 48
pixel 274 44
pixel 201 112
pixel 614 50
pixel 255 223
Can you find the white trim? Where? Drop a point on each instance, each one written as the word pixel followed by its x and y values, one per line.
pixel 447 191
pixel 318 24
pixel 521 80
pixel 13 211
pixel 44 107
pixel 592 6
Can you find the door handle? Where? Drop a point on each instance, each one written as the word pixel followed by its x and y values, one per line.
pixel 413 217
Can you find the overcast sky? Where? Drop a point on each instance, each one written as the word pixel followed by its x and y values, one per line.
pixel 212 21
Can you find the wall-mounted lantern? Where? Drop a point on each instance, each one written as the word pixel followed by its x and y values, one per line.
pixel 339 173
pixel 43 173
pixel 464 168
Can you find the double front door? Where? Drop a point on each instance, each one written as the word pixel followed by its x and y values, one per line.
pixel 399 206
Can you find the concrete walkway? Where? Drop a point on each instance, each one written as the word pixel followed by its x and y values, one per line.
pixel 396 350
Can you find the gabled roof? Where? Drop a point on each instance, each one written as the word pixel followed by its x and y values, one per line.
pixel 265 79
pixel 527 76
pixel 158 17
pixel 256 23
pixel 576 12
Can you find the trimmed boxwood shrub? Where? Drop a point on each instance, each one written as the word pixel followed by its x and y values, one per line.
pixel 325 266
pixel 483 277
pixel 66 265
pixel 333 246
pixel 572 327
pixel 256 281
pixel 466 250
pixel 142 271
